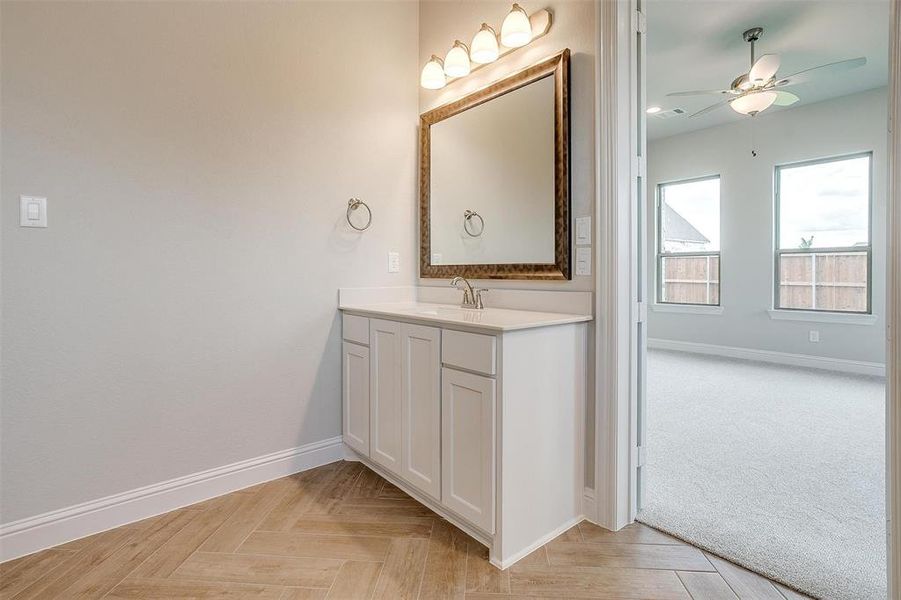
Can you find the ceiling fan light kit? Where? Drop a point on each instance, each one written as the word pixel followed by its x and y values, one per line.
pixel 755 91
pixel 753 102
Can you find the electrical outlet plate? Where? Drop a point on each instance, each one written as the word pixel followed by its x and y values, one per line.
pixel 394 262
pixel 32 211
pixel 583 261
pixel 583 231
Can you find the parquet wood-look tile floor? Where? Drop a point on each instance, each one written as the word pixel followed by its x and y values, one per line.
pixel 342 532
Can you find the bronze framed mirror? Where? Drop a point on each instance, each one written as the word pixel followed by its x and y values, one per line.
pixel 495 179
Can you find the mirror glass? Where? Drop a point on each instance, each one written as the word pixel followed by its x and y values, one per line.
pixel 492 181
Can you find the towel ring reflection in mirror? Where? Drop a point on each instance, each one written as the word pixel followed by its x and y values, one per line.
pixel 468 216
pixel 354 204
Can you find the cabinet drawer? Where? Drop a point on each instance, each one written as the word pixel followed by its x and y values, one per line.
pixel 356 329
pixel 470 351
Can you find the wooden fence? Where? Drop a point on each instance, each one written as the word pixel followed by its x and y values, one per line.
pixel 824 281
pixel 690 279
pixel 816 280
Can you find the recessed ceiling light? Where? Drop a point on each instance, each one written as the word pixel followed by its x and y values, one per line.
pixel 653 109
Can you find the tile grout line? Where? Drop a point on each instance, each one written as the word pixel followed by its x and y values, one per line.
pixel 682 581
pixel 261 519
pixel 425 564
pixel 724 579
pixel 146 558
pixel 335 580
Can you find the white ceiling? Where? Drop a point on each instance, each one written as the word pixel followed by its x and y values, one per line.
pixel 697 45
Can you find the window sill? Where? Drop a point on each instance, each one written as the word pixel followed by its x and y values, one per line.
pixel 691 309
pixel 822 317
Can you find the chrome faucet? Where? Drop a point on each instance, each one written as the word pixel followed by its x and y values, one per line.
pixel 472 298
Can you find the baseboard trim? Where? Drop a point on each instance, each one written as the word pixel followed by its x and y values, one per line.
pixel 589 505
pixel 504 564
pixel 46 530
pixel 769 356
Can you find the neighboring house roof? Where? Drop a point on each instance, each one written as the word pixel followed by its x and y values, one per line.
pixel 677 229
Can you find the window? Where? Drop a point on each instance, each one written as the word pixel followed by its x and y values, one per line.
pixel 688 242
pixel 823 253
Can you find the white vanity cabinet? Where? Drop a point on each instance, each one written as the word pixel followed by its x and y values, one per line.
pixel 355 391
pixel 386 373
pixel 392 398
pixel 467 433
pixel 478 415
pixel 421 408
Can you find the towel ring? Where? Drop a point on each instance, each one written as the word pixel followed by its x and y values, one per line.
pixel 468 215
pixel 354 204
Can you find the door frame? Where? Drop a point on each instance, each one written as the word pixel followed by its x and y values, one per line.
pixel 619 311
pixel 617 308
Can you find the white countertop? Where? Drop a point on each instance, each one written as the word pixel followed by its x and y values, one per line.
pixel 491 319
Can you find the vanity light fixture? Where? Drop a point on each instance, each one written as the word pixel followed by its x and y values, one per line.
pixel 516 31
pixel 519 29
pixel 484 48
pixel 432 77
pixel 456 63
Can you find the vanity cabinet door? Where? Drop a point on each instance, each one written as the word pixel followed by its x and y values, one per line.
pixel 385 394
pixel 355 387
pixel 421 427
pixel 468 446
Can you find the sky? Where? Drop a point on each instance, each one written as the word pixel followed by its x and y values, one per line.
pixel 826 204
pixel 699 203
pixel 829 201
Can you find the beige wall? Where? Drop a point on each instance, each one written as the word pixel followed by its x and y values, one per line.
pixel 441 22
pixel 179 313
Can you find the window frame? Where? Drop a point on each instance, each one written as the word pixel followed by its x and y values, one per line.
pixel 660 254
pixel 778 252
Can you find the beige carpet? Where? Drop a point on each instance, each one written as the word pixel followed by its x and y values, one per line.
pixel 779 469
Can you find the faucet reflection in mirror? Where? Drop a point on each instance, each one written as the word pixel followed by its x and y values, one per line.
pixel 518 29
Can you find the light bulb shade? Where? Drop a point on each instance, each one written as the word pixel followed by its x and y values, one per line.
pixel 753 103
pixel 456 63
pixel 517 29
pixel 432 76
pixel 484 45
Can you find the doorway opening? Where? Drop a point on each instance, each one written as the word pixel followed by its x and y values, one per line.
pixel 762 421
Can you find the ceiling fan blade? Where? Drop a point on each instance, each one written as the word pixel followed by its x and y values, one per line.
pixel 784 98
pixel 830 69
pixel 701 93
pixel 764 68
pixel 711 108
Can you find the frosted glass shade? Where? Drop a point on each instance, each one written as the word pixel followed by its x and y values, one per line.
pixel 456 63
pixel 517 29
pixel 751 104
pixel 432 76
pixel 484 45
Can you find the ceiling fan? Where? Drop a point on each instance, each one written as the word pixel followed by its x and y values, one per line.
pixel 759 88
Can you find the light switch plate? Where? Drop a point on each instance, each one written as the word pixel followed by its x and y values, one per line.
pixel 394 262
pixel 32 211
pixel 583 261
pixel 583 231
pixel 813 336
